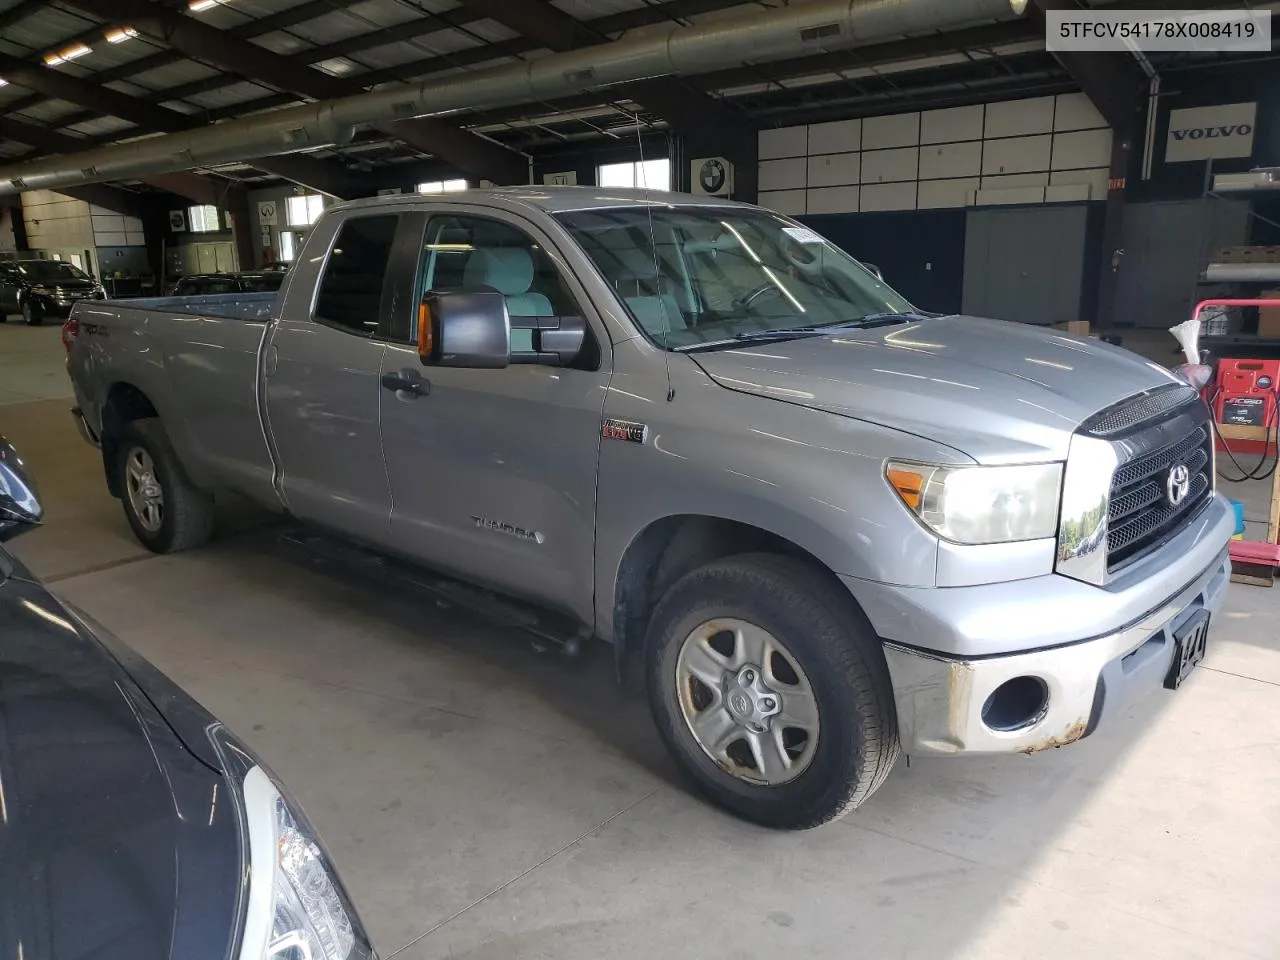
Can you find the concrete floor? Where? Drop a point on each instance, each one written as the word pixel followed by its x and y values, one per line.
pixel 484 801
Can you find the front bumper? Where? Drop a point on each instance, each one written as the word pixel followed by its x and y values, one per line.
pixel 940 698
pixel 51 306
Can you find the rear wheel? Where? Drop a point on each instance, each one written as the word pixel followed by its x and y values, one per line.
pixel 167 512
pixel 771 691
pixel 31 313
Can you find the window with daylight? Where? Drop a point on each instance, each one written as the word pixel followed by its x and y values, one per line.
pixel 649 174
pixel 204 219
pixel 442 186
pixel 305 210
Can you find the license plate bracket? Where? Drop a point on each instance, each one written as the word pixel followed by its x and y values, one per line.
pixel 1190 643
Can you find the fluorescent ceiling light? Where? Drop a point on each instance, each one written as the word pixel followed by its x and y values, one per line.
pixel 120 34
pixel 72 52
pixel 3 82
pixel 336 66
pixel 198 5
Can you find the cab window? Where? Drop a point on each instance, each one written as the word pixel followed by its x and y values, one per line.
pixel 350 294
pixel 475 253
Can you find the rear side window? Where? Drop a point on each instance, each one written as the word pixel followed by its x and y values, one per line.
pixel 351 289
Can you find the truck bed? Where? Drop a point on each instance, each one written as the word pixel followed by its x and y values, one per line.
pixel 233 306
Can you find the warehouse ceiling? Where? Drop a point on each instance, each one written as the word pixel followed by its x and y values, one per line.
pixel 81 73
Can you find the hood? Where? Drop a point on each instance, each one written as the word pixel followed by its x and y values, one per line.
pixel 999 392
pixel 111 844
pixel 64 284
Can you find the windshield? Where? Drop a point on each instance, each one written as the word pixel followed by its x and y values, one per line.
pixel 697 275
pixel 49 270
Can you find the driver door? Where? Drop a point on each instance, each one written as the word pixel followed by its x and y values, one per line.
pixel 493 472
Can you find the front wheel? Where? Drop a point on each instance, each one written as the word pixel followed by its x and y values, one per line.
pixel 166 510
pixel 31 314
pixel 771 690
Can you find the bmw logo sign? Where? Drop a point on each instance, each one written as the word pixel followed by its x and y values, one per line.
pixel 712 176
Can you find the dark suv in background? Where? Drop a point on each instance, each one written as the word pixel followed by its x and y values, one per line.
pixel 36 289
pixel 209 283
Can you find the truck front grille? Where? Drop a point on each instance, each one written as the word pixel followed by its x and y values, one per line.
pixel 1141 516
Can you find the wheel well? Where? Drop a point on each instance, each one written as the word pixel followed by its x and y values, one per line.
pixel 664 552
pixel 125 403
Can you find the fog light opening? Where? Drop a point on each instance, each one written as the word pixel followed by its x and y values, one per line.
pixel 1016 704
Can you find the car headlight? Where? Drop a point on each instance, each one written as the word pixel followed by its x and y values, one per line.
pixel 294 905
pixel 974 505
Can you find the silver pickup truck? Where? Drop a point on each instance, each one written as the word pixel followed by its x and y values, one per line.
pixel 827 527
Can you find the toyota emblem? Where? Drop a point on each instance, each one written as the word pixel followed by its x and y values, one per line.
pixel 1178 484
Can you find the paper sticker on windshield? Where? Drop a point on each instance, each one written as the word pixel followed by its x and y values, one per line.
pixel 803 235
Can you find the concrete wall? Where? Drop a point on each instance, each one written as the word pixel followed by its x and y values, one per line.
pixel 8 242
pixel 59 225
pixel 1038 150
pixel 101 240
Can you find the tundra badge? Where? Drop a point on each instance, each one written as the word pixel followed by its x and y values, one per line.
pixel 501 526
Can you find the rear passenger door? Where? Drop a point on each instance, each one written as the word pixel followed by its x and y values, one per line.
pixel 321 377
pixel 493 472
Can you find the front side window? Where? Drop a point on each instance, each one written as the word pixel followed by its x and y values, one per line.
pixel 476 253
pixel 696 275
pixel 350 294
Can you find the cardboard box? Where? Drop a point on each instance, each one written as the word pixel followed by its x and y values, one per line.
pixel 1269 317
pixel 1081 327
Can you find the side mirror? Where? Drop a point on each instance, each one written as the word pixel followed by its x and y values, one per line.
pixel 464 329
pixel 20 507
pixel 472 328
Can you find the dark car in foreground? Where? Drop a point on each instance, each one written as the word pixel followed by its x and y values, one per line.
pixel 264 281
pixel 35 289
pixel 132 823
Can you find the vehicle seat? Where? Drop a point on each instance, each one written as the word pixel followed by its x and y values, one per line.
pixel 509 270
pixel 657 312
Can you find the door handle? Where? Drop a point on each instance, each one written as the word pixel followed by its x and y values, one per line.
pixel 406 382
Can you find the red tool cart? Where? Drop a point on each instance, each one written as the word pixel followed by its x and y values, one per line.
pixel 1245 399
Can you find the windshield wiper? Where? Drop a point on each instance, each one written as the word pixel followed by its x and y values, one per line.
pixel 754 336
pixel 869 322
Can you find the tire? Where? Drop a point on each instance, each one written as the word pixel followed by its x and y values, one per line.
pixel 185 515
pixel 839 659
pixel 31 314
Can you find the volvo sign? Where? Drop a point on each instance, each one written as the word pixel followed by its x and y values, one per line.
pixel 1211 133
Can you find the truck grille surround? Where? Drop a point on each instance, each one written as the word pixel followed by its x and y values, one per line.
pixel 1140 517
pixel 1158 447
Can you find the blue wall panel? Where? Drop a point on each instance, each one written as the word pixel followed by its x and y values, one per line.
pixel 920 252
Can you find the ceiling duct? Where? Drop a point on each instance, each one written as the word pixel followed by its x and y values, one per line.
pixel 754 36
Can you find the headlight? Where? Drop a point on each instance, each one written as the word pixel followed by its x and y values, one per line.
pixel 295 907
pixel 973 505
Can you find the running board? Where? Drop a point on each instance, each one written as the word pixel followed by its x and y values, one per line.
pixel 548 631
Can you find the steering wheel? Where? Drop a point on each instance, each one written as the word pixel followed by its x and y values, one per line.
pixel 764 288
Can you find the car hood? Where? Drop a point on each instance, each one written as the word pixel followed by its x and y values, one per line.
pixel 112 844
pixel 999 392
pixel 76 285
